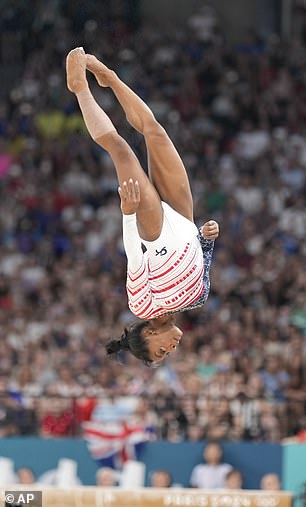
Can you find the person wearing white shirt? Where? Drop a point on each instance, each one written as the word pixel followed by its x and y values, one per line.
pixel 212 473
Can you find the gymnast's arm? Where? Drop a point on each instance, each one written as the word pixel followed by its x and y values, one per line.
pixel 130 198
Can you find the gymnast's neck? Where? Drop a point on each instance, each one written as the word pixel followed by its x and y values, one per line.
pixel 161 321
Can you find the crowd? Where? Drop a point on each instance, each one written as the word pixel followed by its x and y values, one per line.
pixel 237 116
pixel 212 474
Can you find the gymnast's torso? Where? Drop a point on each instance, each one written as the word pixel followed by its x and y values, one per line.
pixel 172 274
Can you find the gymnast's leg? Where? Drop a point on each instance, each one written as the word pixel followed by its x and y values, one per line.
pixel 166 168
pixel 149 212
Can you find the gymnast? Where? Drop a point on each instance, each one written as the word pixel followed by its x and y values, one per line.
pixel 168 257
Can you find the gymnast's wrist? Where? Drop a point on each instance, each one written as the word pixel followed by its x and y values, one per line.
pixel 129 217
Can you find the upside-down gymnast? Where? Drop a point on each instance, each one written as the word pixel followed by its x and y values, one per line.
pixel 172 275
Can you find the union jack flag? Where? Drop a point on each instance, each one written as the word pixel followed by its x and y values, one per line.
pixel 112 444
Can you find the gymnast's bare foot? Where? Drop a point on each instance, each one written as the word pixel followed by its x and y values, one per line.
pixel 102 73
pixel 76 70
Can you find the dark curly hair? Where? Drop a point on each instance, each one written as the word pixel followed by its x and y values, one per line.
pixel 133 341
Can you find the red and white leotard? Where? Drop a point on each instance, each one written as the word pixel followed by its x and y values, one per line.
pixel 168 277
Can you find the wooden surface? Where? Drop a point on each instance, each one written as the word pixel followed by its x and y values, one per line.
pixel 86 496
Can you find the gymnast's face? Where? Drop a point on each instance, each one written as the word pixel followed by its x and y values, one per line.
pixel 161 341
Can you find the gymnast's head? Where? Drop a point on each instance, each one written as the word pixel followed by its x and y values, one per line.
pixel 151 341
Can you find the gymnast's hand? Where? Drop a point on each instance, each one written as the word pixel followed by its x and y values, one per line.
pixel 130 196
pixel 210 230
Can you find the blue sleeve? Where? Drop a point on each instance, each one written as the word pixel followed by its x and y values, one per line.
pixel 206 244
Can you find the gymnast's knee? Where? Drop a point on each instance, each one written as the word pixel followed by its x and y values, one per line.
pixel 153 129
pixel 113 143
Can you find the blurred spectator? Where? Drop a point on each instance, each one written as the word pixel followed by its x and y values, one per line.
pixel 274 378
pixel 270 482
pixel 25 475
pixel 8 417
pixel 56 418
pixel 160 479
pixel 212 474
pixel 233 479
pixel 106 477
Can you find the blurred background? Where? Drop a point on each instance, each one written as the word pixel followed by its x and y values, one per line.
pixel 227 81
